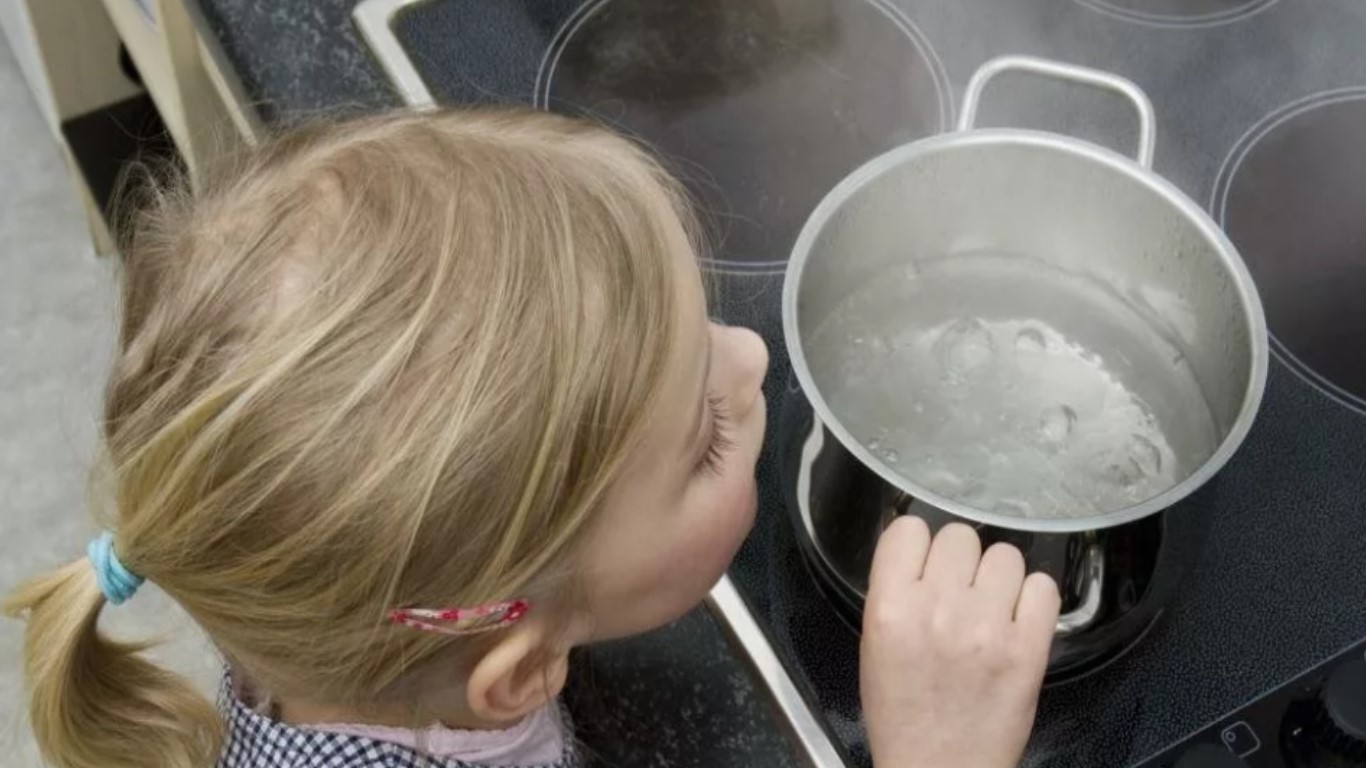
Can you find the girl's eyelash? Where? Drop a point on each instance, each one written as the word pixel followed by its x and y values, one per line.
pixel 713 460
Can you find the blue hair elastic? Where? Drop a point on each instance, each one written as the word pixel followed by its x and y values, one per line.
pixel 116 582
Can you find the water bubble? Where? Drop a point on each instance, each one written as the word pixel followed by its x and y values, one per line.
pixel 964 347
pixel 1030 341
pixel 891 456
pixel 972 491
pixel 1056 424
pixel 874 445
pixel 1120 471
pixel 943 481
pixel 918 407
pixel 857 340
pixel 1145 455
pixel 1138 460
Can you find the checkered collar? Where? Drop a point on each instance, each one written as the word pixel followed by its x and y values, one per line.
pixel 257 741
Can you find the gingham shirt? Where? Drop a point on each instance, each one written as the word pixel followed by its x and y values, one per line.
pixel 257 741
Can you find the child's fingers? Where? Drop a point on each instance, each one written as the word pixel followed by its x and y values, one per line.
pixel 1000 577
pixel 954 556
pixel 899 559
pixel 1037 611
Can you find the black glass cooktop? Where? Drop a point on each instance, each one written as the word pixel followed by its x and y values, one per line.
pixel 852 78
pixel 762 105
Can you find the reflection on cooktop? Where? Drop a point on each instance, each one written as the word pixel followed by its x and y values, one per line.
pixel 1179 13
pixel 761 107
pixel 1291 196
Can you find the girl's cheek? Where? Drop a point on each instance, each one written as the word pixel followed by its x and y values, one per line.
pixel 731 506
pixel 739 505
pixel 728 514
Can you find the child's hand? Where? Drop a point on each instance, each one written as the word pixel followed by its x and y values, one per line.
pixel 955 644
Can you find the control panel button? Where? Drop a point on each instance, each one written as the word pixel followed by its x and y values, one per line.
pixel 1240 739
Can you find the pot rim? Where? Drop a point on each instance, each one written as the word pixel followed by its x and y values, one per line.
pixel 1228 255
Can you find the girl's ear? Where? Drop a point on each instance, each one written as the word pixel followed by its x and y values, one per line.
pixel 521 673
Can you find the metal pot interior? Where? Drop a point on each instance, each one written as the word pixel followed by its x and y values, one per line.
pixel 1009 243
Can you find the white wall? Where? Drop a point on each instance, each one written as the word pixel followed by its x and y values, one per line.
pixel 18 31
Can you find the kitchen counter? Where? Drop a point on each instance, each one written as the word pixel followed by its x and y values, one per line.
pixel 294 58
pixel 677 697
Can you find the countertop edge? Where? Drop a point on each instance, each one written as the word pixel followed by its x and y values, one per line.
pixel 813 745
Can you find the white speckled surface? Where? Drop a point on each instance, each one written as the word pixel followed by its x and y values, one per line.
pixel 673 699
pixel 297 58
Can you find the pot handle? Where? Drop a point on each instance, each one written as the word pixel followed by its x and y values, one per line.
pixel 1092 583
pixel 972 97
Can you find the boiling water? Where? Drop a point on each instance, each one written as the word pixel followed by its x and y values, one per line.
pixel 1013 387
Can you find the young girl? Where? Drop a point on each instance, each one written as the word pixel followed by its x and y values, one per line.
pixel 406 408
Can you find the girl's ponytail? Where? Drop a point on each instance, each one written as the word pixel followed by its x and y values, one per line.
pixel 96 703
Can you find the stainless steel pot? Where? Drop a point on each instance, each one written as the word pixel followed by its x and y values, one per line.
pixel 1069 205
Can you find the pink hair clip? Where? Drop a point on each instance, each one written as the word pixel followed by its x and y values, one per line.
pixel 462 621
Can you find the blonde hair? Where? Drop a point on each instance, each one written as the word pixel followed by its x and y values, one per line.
pixel 389 362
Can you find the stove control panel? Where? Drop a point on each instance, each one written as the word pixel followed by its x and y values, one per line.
pixel 1317 720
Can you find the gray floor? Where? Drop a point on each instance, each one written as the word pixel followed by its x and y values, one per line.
pixel 57 319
